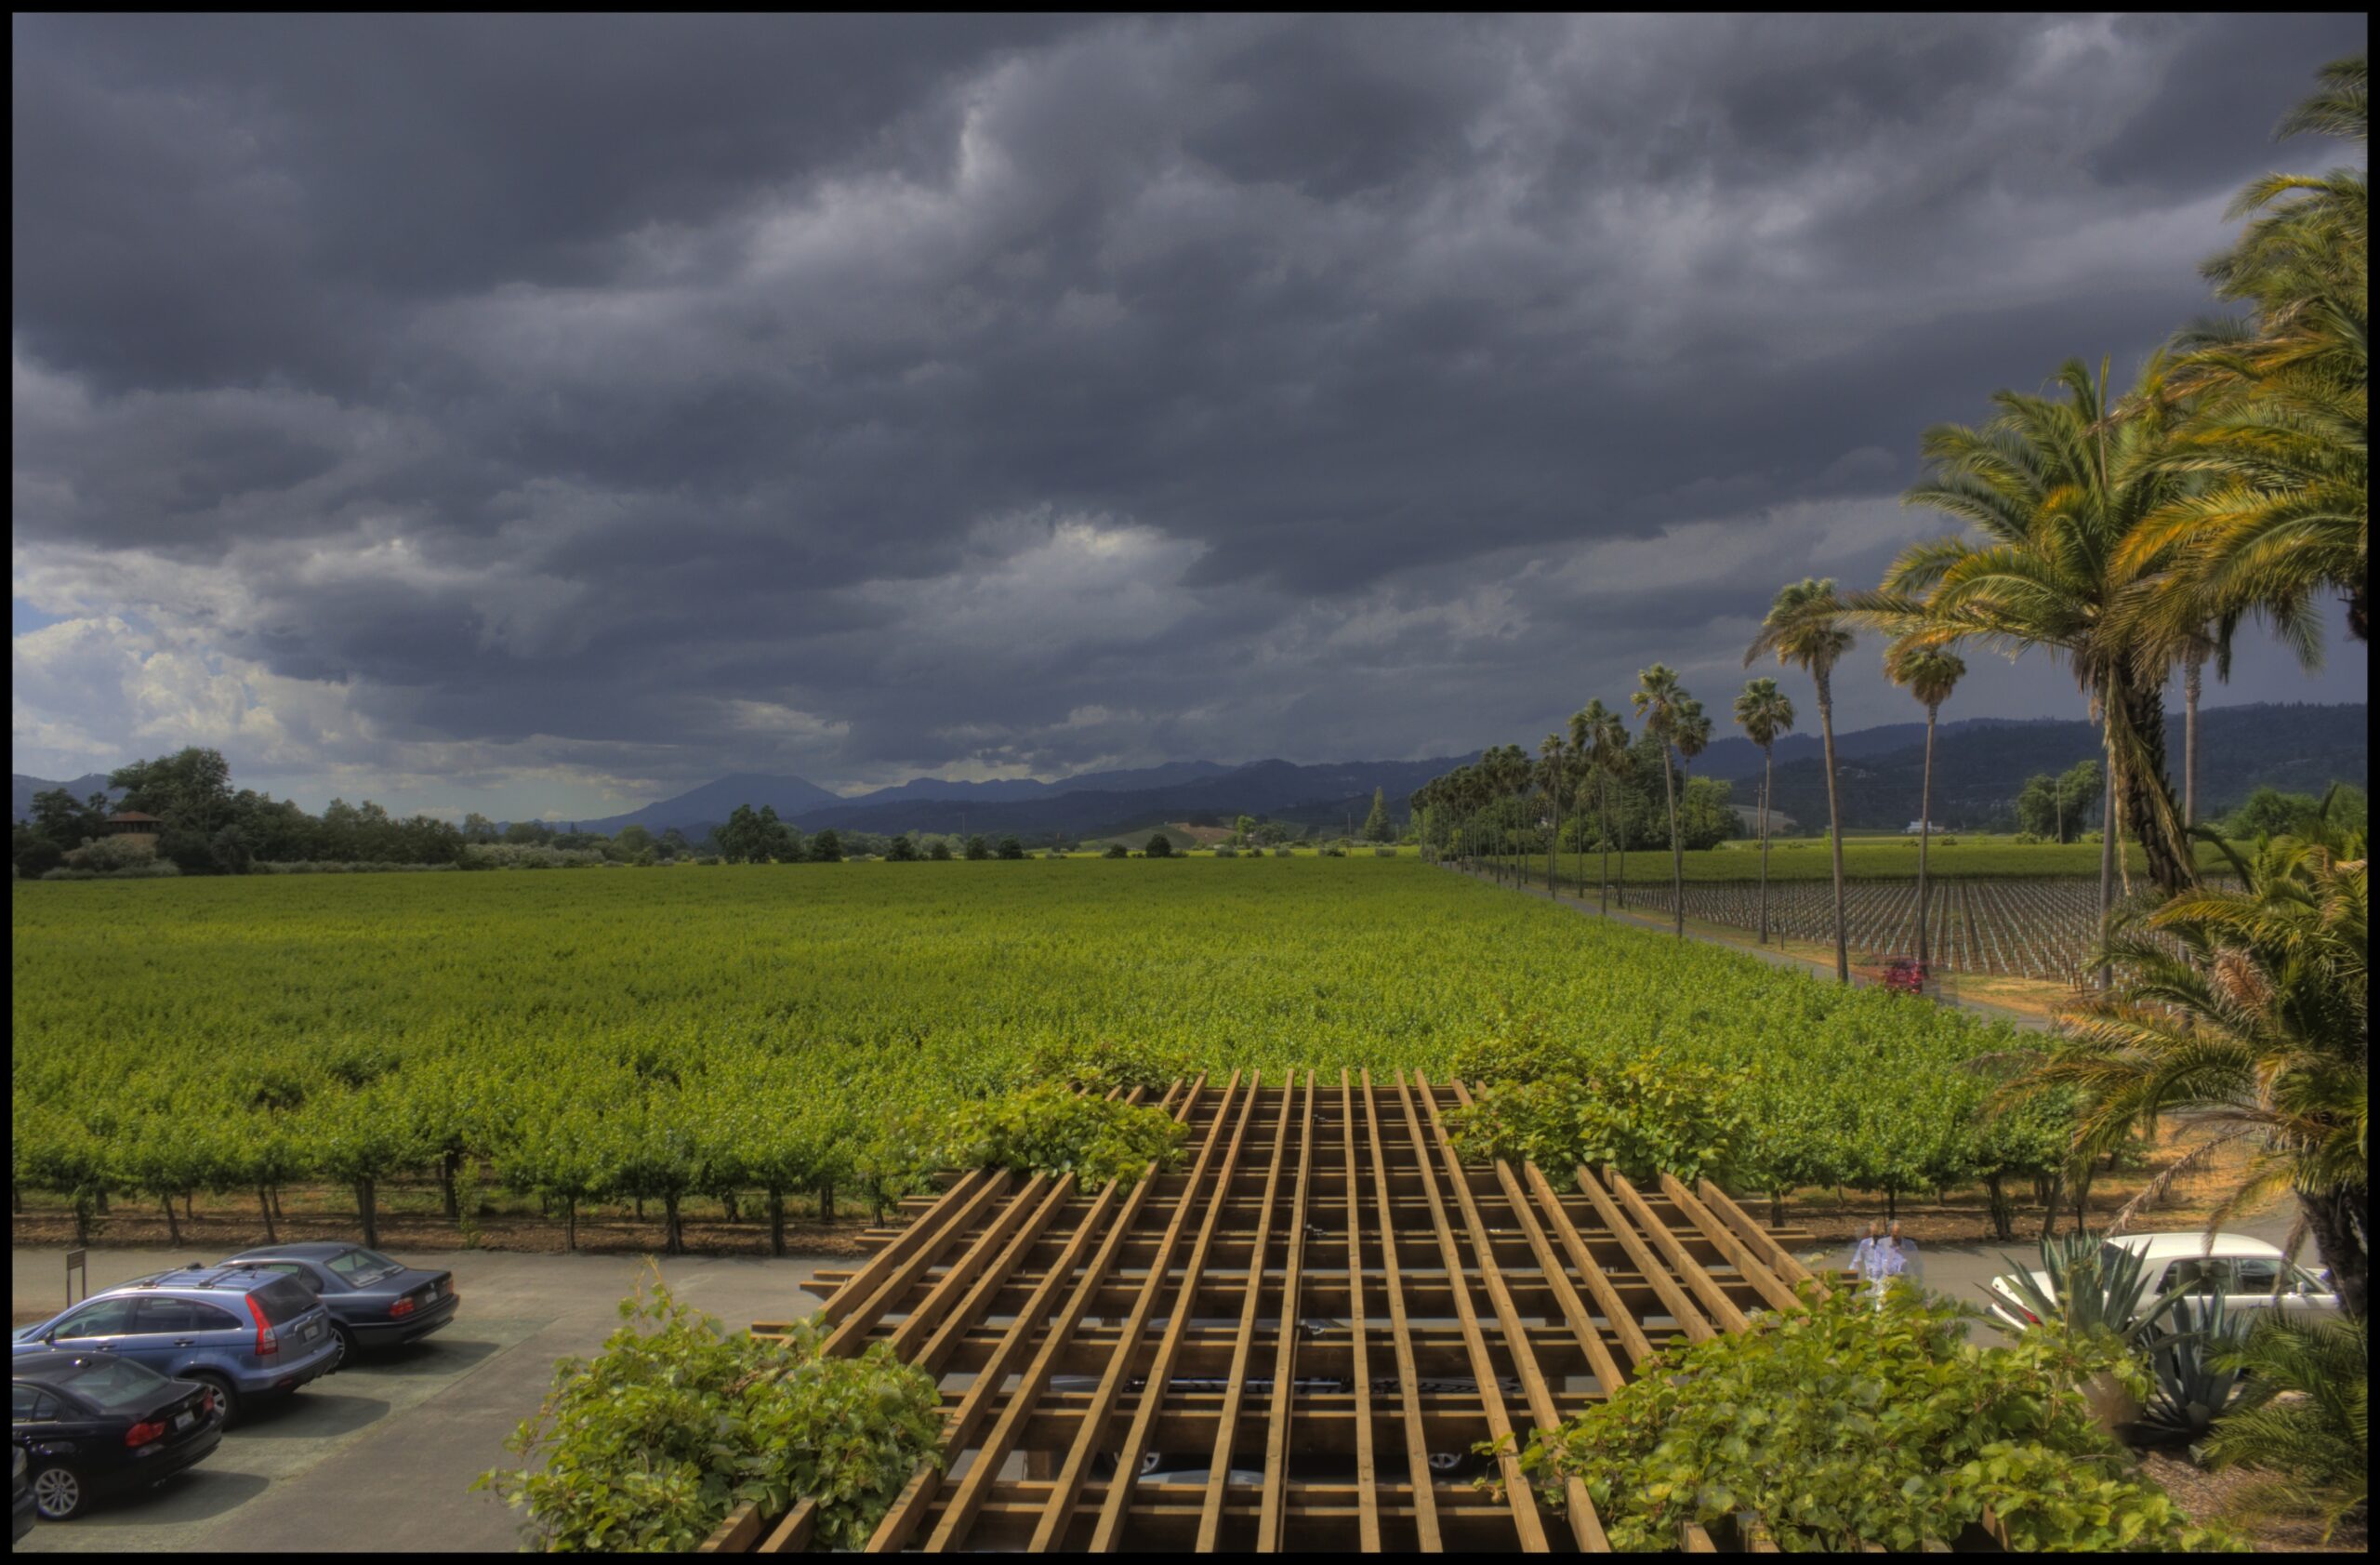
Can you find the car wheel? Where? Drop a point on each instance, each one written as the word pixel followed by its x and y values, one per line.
pixel 58 1492
pixel 225 1398
pixel 345 1346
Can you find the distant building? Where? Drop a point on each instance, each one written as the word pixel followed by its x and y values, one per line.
pixel 1779 824
pixel 132 827
pixel 1917 826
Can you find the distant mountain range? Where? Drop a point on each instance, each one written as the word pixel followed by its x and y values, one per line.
pixel 21 790
pixel 1980 764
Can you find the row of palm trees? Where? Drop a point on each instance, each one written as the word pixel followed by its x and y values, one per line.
pixel 2124 536
pixel 1596 750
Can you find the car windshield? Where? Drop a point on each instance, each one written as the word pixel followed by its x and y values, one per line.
pixel 115 1383
pixel 362 1267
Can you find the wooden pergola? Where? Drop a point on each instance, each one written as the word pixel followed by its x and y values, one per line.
pixel 1292 1341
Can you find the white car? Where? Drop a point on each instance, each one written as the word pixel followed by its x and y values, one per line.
pixel 2240 1268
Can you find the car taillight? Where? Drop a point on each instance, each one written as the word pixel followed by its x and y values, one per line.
pixel 267 1342
pixel 400 1310
pixel 141 1434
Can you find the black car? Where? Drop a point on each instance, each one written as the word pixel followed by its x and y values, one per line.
pixel 94 1424
pixel 21 1497
pixel 374 1302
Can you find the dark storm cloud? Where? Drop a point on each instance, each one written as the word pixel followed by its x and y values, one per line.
pixel 608 402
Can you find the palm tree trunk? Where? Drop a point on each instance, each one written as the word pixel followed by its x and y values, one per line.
pixel 1924 833
pixel 2337 1223
pixel 1604 891
pixel 1623 850
pixel 2108 855
pixel 2193 682
pixel 1553 848
pixel 1677 854
pixel 1767 777
pixel 1834 822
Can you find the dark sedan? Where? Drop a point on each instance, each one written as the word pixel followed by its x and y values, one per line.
pixel 93 1424
pixel 374 1302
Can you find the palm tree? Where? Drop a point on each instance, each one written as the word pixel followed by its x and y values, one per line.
pixel 1675 719
pixel 2304 1414
pixel 1508 774
pixel 1552 777
pixel 2272 437
pixel 1804 629
pixel 1765 713
pixel 2062 492
pixel 1600 738
pixel 1930 674
pixel 2246 1013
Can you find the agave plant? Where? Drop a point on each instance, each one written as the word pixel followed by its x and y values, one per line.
pixel 2093 1286
pixel 2197 1375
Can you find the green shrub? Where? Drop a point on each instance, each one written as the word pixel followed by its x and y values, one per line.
pixel 1105 1064
pixel 1118 849
pixel 1859 1421
pixel 676 1422
pixel 1049 1128
pixel 1648 1115
pixel 1159 846
pixel 1225 850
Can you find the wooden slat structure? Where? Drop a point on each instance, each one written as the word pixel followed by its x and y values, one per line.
pixel 1293 1340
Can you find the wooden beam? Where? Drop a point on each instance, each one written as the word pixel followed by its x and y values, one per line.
pixel 880 1265
pixel 1748 1265
pixel 1517 1491
pixel 1368 1501
pixel 1722 1309
pixel 1417 1451
pixel 996 1445
pixel 1763 1242
pixel 1277 1439
pixel 1109 1529
pixel 1673 1297
pixel 1051 1530
pixel 1219 1470
pixel 1586 1528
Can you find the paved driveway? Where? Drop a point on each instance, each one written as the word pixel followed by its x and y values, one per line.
pixel 381 1456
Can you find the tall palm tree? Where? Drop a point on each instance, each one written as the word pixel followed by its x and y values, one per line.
pixel 1600 738
pixel 1930 674
pixel 1675 719
pixel 2059 488
pixel 1765 713
pixel 2272 438
pixel 1804 629
pixel 2245 1013
pixel 1554 780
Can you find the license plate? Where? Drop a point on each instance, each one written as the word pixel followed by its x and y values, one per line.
pixel 184 1420
pixel 310 1333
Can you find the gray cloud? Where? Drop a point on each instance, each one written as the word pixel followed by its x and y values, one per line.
pixel 554 412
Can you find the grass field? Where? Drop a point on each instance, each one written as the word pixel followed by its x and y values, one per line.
pixel 667 1034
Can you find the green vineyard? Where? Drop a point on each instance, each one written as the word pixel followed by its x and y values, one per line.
pixel 760 1033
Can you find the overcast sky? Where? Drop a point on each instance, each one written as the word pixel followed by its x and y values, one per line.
pixel 542 416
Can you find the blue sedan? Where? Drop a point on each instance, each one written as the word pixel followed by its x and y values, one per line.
pixel 374 1302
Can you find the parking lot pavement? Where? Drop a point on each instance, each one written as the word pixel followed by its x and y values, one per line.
pixel 381 1456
